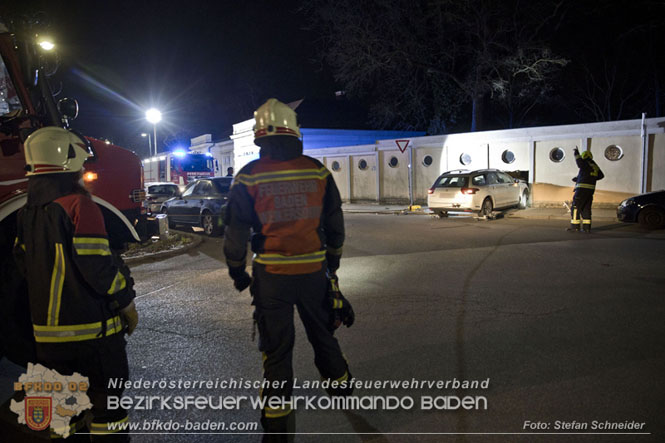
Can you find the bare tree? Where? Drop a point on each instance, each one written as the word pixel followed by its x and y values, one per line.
pixel 419 62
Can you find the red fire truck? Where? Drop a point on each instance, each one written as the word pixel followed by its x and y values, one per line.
pixel 113 174
pixel 179 167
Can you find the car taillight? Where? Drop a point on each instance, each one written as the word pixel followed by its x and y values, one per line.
pixel 430 191
pixel 469 191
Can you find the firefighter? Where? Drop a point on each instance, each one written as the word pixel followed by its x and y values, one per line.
pixel 291 206
pixel 585 186
pixel 80 295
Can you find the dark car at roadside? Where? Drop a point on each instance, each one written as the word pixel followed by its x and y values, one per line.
pixel 201 204
pixel 646 209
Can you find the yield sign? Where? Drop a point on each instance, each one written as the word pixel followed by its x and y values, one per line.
pixel 402 144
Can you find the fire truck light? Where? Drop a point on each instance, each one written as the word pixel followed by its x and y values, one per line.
pixel 179 153
pixel 162 158
pixel 89 176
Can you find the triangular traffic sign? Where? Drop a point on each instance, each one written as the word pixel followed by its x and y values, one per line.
pixel 402 144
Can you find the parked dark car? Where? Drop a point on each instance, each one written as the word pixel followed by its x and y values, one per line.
pixel 201 204
pixel 646 209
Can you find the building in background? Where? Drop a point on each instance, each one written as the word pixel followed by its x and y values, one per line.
pixel 395 167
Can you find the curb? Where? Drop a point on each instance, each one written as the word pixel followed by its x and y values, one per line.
pixel 156 256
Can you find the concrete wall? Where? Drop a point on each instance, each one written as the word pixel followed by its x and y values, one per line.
pixel 656 178
pixel 394 181
pixel 340 175
pixel 363 181
pixel 551 181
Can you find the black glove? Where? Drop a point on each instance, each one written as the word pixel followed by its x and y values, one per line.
pixel 575 179
pixel 341 310
pixel 241 279
pixel 576 151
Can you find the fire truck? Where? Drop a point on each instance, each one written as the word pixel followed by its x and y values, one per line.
pixel 113 174
pixel 179 167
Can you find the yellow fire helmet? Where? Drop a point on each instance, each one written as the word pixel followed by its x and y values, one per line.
pixel 52 150
pixel 275 118
pixel 587 155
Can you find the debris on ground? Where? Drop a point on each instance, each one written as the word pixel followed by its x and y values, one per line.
pixel 155 244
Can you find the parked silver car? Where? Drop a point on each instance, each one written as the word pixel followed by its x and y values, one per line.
pixel 483 191
pixel 156 193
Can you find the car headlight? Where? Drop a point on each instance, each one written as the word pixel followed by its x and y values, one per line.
pixel 627 202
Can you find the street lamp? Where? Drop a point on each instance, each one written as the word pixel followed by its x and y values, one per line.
pixel 154 116
pixel 147 134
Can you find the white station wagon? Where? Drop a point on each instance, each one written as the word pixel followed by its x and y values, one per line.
pixel 483 191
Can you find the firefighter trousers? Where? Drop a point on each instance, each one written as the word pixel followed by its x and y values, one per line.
pixel 580 212
pixel 274 297
pixel 99 360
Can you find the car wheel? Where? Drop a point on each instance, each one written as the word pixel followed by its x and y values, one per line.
pixel 524 200
pixel 209 224
pixel 442 214
pixel 651 218
pixel 486 208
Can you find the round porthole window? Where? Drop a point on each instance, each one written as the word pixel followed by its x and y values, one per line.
pixel 613 153
pixel 465 159
pixel 393 162
pixel 427 161
pixel 557 155
pixel 336 166
pixel 508 156
pixel 362 164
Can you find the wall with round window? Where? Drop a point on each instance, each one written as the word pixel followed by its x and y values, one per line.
pixel 335 166
pixel 465 159
pixel 508 156
pixel 557 155
pixel 362 164
pixel 393 162
pixel 427 161
pixel 613 153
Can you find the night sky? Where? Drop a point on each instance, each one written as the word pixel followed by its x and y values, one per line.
pixel 209 64
pixel 205 65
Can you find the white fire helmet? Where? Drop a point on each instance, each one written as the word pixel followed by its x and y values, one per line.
pixel 275 118
pixel 52 150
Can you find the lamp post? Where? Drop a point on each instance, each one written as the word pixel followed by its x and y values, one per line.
pixel 147 134
pixel 154 116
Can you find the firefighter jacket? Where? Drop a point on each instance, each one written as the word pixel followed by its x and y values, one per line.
pixel 588 174
pixel 74 287
pixel 294 210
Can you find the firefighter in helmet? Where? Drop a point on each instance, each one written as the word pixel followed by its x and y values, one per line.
pixel 585 186
pixel 290 205
pixel 80 294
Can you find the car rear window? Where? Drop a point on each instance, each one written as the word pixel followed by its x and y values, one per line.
pixel 452 181
pixel 163 190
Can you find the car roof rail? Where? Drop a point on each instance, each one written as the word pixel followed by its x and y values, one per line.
pixel 457 171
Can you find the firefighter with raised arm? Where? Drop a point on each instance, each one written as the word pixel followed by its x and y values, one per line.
pixel 81 297
pixel 290 205
pixel 585 185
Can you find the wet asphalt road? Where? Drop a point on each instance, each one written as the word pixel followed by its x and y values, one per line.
pixel 566 327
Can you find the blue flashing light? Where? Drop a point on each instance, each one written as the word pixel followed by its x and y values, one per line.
pixel 179 153
pixel 208 154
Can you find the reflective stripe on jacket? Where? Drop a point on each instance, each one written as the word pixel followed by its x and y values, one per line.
pixel 74 286
pixel 588 174
pixel 294 210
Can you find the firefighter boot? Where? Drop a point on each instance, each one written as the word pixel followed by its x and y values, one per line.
pixel 574 220
pixel 279 430
pixel 586 226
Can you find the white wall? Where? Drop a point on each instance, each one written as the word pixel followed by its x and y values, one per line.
pixel 530 146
